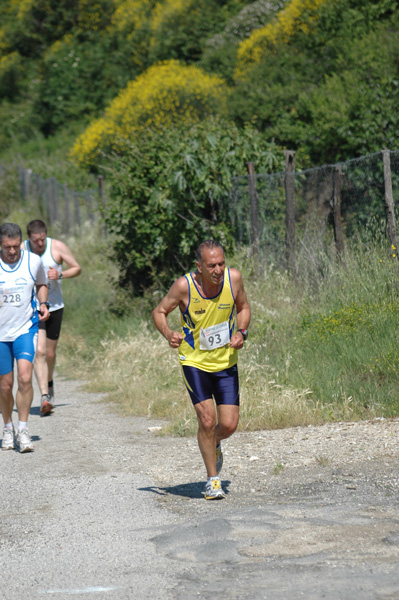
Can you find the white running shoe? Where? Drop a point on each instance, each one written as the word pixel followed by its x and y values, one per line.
pixel 8 439
pixel 24 441
pixel 213 489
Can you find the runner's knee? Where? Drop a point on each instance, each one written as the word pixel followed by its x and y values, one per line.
pixel 207 422
pixel 5 384
pixel 40 355
pixel 25 379
pixel 227 429
pixel 50 353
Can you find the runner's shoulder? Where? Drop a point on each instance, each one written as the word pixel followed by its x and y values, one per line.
pixel 180 286
pixel 34 259
pixel 235 275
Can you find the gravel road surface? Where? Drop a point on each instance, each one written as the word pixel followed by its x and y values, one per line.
pixel 106 509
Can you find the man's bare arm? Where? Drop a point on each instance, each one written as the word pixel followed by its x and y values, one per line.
pixel 62 253
pixel 177 296
pixel 243 308
pixel 42 294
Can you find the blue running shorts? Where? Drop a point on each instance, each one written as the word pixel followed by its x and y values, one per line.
pixel 223 386
pixel 23 347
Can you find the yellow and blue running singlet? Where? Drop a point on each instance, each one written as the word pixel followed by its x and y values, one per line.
pixel 207 325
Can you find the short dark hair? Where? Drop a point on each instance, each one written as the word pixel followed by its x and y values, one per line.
pixel 10 230
pixel 211 244
pixel 36 226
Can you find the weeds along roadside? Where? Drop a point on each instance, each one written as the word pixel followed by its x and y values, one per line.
pixel 320 348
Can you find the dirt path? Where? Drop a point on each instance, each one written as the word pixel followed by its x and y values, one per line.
pixel 104 508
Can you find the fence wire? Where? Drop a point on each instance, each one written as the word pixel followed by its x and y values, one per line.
pixel 57 204
pixel 362 200
pixel 362 192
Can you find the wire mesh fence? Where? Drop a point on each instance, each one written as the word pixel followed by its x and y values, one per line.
pixel 362 187
pixel 258 203
pixel 57 204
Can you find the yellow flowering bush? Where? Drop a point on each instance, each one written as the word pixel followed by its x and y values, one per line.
pixel 128 14
pixel 94 14
pixel 296 16
pixel 165 93
pixel 20 7
pixel 164 10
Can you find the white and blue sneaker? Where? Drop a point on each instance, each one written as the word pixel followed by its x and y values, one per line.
pixel 8 442
pixel 213 489
pixel 24 441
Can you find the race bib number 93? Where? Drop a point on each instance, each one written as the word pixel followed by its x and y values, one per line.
pixel 215 336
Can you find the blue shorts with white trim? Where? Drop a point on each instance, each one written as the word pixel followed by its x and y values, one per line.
pixel 23 347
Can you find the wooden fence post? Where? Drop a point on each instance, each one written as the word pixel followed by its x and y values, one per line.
pixel 290 208
pixel 55 200
pixel 336 210
pixel 101 188
pixel 389 207
pixel 254 200
pixel 67 219
pixel 78 220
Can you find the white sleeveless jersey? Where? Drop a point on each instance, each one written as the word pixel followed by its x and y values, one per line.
pixel 18 302
pixel 54 285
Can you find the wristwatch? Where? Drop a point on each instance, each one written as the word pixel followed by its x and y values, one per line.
pixel 244 333
pixel 46 303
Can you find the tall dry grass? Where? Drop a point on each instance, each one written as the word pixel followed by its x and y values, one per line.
pixel 321 345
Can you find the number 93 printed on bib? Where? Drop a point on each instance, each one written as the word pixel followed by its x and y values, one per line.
pixel 215 336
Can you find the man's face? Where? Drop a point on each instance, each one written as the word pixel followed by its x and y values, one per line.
pixel 10 249
pixel 38 242
pixel 212 266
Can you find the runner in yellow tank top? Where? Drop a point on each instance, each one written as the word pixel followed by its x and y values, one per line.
pixel 215 315
pixel 207 327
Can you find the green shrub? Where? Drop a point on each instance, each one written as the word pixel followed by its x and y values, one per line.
pixel 170 191
pixel 77 79
pixel 338 105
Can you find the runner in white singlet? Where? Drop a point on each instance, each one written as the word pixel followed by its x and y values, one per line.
pixel 20 274
pixel 53 254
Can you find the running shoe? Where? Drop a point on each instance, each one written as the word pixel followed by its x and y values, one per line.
pixel 8 439
pixel 213 489
pixel 46 406
pixel 51 392
pixel 219 458
pixel 24 441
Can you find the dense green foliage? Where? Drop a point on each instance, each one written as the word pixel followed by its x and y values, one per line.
pixel 330 93
pixel 169 193
pixel 321 78
pixel 329 90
